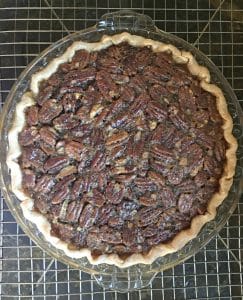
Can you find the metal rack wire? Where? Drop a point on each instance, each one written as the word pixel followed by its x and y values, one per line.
pixel 29 26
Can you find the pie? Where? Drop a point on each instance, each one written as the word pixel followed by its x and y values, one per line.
pixel 121 150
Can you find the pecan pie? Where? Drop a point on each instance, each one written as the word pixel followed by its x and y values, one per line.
pixel 122 150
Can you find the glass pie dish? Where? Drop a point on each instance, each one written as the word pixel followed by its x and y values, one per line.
pixel 110 276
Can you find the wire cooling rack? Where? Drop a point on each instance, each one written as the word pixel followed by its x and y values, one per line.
pixel 28 27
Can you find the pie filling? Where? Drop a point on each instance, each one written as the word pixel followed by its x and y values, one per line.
pixel 121 150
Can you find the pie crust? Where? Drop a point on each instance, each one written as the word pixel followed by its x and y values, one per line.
pixel 183 237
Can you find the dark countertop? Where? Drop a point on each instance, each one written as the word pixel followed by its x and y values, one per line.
pixel 27 28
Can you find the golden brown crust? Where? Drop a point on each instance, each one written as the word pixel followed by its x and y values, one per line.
pixel 197 223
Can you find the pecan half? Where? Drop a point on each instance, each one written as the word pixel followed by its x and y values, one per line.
pixel 117 139
pixel 157 178
pixel 32 156
pixel 32 115
pixel 81 59
pixel 48 135
pixel 185 203
pixel 156 111
pixel 167 197
pixel 79 77
pixel 65 122
pixel 77 189
pixel 110 235
pixel 49 110
pixel 55 163
pixel 74 149
pixel 95 110
pixel 45 94
pixel 144 184
pixel 66 231
pixel 105 213
pixel 60 195
pixel 99 161
pixel 88 216
pixel 147 216
pixel 162 154
pixel 114 192
pixel 29 179
pixel 175 175
pixel 107 87
pixel 28 136
pixel 149 200
pixel 44 184
pixel 95 197
pixel 66 171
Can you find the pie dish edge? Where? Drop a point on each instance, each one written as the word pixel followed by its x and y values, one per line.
pixel 183 237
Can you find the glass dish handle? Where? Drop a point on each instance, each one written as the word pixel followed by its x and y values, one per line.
pixel 126 20
pixel 134 281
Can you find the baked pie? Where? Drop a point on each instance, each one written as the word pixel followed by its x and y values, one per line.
pixel 121 150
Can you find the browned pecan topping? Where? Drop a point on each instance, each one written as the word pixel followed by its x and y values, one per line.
pixel 148 215
pixel 73 211
pixel 43 204
pixel 65 122
pixel 70 101
pixel 49 110
pixel 119 151
pixel 167 197
pixel 156 111
pixel 28 136
pixel 158 92
pixel 157 178
pixel 44 184
pixel 66 231
pixel 80 59
pixel 66 171
pixel 106 86
pixel 185 203
pixel 29 179
pixel 48 135
pixel 55 163
pixel 175 175
pixel 88 216
pixel 165 156
pixel 144 184
pixel 79 77
pixel 148 200
pixel 32 157
pixel 99 161
pixel 32 115
pixel 45 93
pixel 60 195
pixel 110 235
pixel 95 197
pixel 114 192
pixel 74 149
